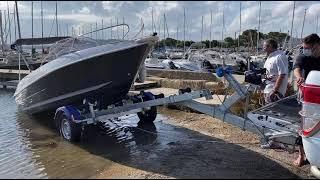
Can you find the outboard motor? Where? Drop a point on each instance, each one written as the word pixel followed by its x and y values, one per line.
pixel 254 76
pixel 310 98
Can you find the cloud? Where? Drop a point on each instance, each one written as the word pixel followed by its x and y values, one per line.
pixel 83 14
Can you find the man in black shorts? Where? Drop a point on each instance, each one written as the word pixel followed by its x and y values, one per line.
pixel 307 61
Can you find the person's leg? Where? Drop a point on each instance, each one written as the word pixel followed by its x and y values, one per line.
pixel 300 160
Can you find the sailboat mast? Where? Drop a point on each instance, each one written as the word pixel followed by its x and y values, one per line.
pixel 15 27
pixel 9 21
pixel 123 28
pixel 18 22
pixel 5 26
pixel 294 7
pixel 210 28
pixel 102 28
pixel 1 31
pixel 117 28
pixel 42 24
pixel 304 18
pixel 57 33
pixel 164 26
pixel 222 32
pixel 32 26
pixel 184 30
pixel 152 20
pixel 201 27
pixel 258 27
pixel 240 28
pixel 96 30
pixel 111 26
pixel 317 25
pixel 168 36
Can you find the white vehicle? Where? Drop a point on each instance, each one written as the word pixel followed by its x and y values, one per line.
pixel 311 120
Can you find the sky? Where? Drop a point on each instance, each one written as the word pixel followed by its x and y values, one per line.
pixel 274 16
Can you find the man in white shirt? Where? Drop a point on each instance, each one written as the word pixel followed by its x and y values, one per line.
pixel 276 72
pixel 276 77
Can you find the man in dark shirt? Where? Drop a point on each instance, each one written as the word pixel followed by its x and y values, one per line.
pixel 307 61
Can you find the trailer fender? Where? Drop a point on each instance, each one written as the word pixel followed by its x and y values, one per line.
pixel 70 111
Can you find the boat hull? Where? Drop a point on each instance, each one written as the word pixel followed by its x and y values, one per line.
pixel 106 78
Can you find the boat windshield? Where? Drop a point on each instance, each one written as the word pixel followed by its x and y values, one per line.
pixel 70 45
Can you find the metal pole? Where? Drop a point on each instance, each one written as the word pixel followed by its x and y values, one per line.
pixel 184 31
pixel 258 27
pixel 15 26
pixel 102 28
pixel 19 67
pixel 111 28
pixel 57 18
pixel 201 27
pixel 152 19
pixel 317 25
pixel 240 28
pixel 41 24
pixel 5 26
pixel 164 27
pixel 1 31
pixel 9 23
pixel 18 22
pixel 142 28
pixel 222 26
pixel 210 28
pixel 294 6
pixel 177 32
pixel 91 30
pixel 32 28
pixel 304 18
pixel 159 27
pixel 118 28
pixel 122 27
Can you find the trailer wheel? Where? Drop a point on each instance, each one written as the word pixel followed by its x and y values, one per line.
pixel 69 130
pixel 150 115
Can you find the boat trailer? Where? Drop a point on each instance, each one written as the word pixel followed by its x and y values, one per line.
pixel 267 122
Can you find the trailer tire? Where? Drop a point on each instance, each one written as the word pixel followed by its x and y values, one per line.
pixel 68 129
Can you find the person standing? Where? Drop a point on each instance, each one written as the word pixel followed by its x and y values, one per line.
pixel 276 78
pixel 304 63
pixel 276 67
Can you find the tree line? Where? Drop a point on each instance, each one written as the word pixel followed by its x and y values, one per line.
pixel 248 38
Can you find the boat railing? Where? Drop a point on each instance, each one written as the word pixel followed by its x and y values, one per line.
pixel 108 27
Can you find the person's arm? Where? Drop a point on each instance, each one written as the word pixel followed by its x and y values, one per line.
pixel 279 82
pixel 298 74
pixel 298 66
